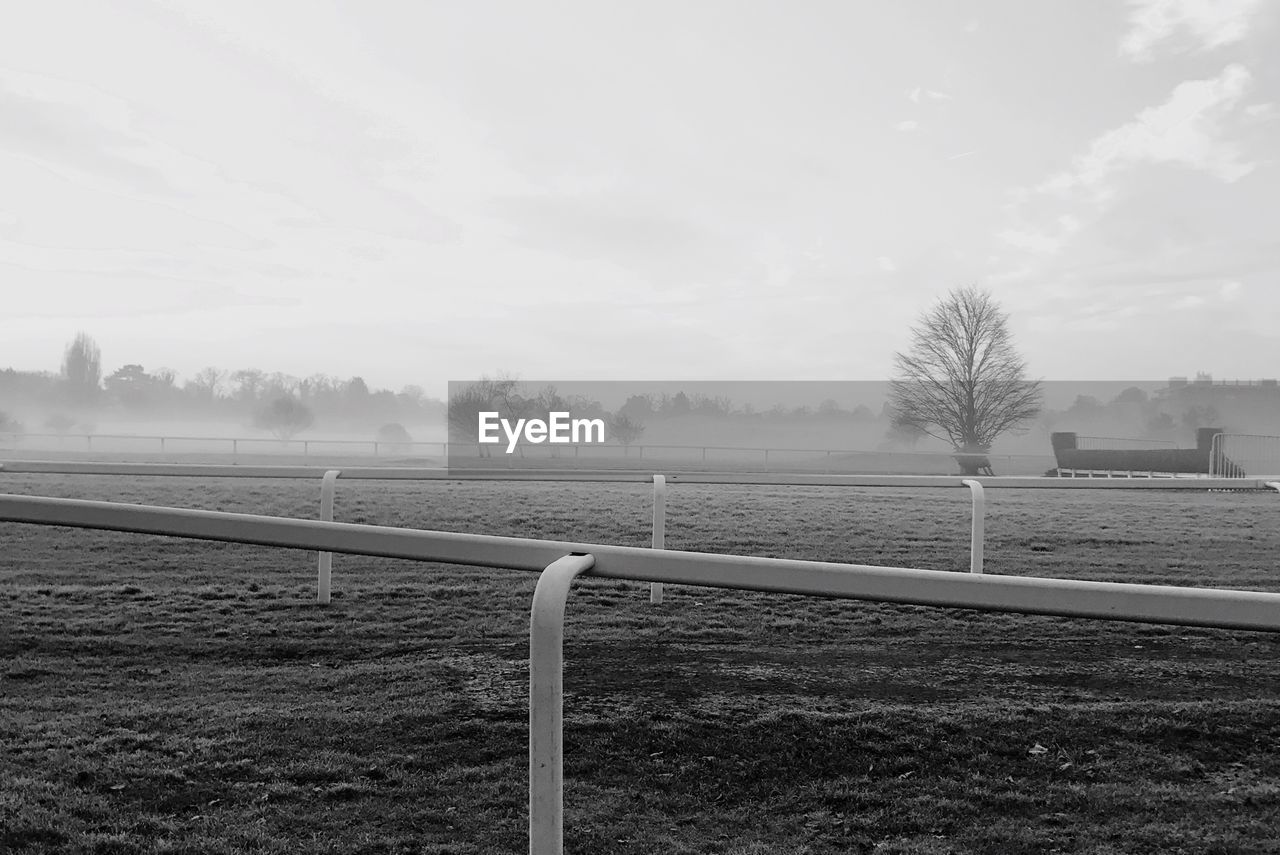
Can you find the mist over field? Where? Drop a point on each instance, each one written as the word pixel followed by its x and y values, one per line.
pixel 855 415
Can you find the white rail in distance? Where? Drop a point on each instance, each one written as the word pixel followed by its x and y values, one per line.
pixel 324 569
pixel 377 447
pixel 1237 455
pixel 418 473
pixel 562 562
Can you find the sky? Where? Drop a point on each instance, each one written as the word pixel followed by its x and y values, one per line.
pixel 414 192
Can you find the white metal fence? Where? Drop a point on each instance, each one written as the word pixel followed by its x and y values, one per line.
pixel 560 563
pixel 418 473
pixel 122 443
pixel 1236 455
pixel 637 455
pixel 329 479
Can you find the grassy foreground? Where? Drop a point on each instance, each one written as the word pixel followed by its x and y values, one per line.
pixel 161 695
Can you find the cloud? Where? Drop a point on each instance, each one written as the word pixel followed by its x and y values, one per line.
pixel 1042 241
pixel 62 125
pixel 886 264
pixel 1035 241
pixel 1260 112
pixel 919 95
pixel 908 125
pixel 618 228
pixel 1161 217
pixel 1184 130
pixel 1209 23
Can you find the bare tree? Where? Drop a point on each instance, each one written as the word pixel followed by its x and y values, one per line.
pixel 285 417
pixel 249 383
pixel 625 429
pixel 82 368
pixel 466 404
pixel 962 380
pixel 8 424
pixel 206 383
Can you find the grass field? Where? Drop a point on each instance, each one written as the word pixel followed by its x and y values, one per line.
pixel 161 695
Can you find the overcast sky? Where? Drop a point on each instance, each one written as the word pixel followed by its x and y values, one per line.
pixel 706 189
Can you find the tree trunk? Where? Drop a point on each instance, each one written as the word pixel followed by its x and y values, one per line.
pixel 970 462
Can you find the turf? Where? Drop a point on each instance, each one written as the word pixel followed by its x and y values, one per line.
pixel 162 695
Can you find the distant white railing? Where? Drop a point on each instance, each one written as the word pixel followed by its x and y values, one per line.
pixel 329 478
pixel 767 458
pixel 324 569
pixel 126 442
pixel 324 561
pixel 691 476
pixel 1237 455
pixel 560 563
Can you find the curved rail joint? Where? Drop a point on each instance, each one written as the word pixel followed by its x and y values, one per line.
pixel 659 528
pixel 546 703
pixel 976 538
pixel 324 568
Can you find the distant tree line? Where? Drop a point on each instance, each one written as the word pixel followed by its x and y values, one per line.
pixel 81 387
pixel 511 400
pixel 646 407
pixel 1161 414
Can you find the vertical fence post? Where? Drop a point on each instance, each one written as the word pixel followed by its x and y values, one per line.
pixel 324 567
pixel 659 528
pixel 546 703
pixel 975 545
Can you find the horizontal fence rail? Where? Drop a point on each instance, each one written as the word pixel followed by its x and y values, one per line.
pixel 324 564
pixel 561 562
pixel 815 479
pixel 767 457
pixel 234 445
pixel 443 447
pixel 329 477
pixel 1065 597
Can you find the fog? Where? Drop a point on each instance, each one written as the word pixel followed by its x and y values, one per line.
pixel 854 415
pixel 215 403
pixel 255 404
